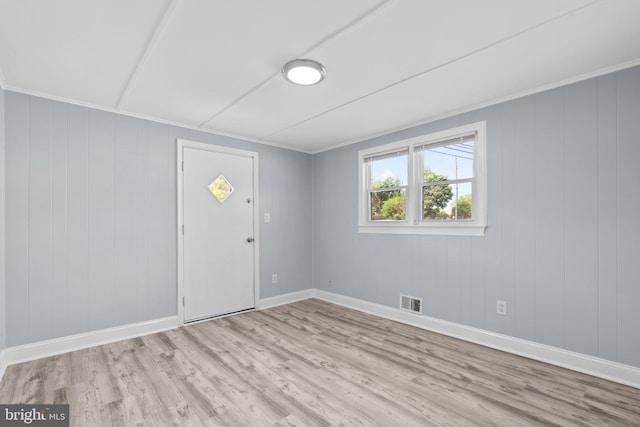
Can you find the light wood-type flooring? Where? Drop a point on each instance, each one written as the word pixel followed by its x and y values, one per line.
pixel 312 363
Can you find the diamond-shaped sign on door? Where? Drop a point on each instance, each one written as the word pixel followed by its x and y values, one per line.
pixel 220 188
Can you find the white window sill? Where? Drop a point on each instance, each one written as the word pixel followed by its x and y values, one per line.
pixel 432 230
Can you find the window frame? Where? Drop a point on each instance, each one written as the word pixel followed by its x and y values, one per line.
pixel 414 224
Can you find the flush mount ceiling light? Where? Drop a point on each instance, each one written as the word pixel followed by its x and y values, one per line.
pixel 305 72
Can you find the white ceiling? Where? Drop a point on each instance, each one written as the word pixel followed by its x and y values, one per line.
pixel 215 64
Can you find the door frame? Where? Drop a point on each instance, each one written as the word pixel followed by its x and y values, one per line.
pixel 181 144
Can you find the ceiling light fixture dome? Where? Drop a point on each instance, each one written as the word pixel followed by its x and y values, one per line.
pixel 305 72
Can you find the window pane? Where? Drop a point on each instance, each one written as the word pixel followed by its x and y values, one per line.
pixel 388 205
pixel 220 188
pixel 389 171
pixel 447 202
pixel 449 162
pixel 435 200
pixel 461 206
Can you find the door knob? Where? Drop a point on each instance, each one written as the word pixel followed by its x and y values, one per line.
pixel 250 239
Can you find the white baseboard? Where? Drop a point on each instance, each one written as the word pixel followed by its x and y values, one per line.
pixel 613 371
pixel 285 298
pixel 606 369
pixel 38 350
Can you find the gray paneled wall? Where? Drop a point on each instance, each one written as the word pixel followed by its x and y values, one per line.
pixel 563 241
pixel 91 222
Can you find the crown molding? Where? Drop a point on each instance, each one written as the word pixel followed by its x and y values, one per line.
pixel 495 101
pixel 150 118
pixel 3 84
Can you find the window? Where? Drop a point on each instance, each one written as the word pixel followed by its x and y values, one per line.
pixel 387 186
pixel 433 184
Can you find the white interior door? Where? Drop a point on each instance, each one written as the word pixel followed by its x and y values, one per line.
pixel 218 249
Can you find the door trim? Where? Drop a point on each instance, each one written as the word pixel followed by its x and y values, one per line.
pixel 181 144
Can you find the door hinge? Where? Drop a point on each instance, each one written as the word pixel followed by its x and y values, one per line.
pixel 183 301
pixel 183 229
pixel 183 166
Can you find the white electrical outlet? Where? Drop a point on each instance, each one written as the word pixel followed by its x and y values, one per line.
pixel 267 218
pixel 274 279
pixel 501 308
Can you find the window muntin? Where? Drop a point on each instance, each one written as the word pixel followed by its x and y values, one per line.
pixel 433 184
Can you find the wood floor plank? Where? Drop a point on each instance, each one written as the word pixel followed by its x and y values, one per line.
pixel 312 363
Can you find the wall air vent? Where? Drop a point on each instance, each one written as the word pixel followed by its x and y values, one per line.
pixel 411 304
